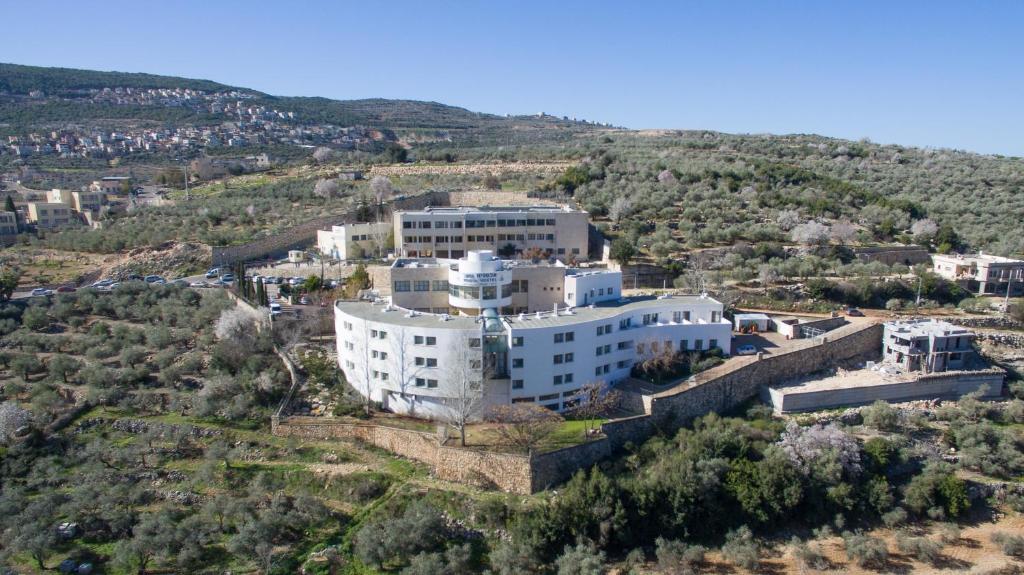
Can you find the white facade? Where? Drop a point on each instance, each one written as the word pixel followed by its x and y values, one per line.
pixel 982 274
pixel 353 241
pixel 537 231
pixel 414 362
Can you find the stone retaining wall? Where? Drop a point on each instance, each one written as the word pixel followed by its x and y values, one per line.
pixel 304 234
pixel 505 471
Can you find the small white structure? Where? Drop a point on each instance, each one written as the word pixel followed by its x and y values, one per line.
pixel 757 322
pixel 982 274
pixel 353 241
pixel 296 256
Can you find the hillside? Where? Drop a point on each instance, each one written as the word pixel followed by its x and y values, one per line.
pixel 65 96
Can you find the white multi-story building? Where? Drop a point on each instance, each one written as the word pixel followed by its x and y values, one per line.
pixel 353 241
pixel 546 231
pixel 982 274
pixel 418 363
pixel 927 345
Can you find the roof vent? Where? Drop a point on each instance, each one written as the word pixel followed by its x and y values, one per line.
pixel 412 313
pixel 522 317
pixel 444 317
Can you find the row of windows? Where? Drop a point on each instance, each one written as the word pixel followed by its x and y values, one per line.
pixel 424 382
pixel 445 224
pixel 420 285
pixel 559 358
pixel 426 361
pixel 565 337
pixel 474 292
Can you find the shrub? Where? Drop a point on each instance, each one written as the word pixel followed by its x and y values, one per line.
pixel 677 557
pixel 583 559
pixel 920 548
pixel 807 556
pixel 1012 545
pixel 895 518
pixel 740 548
pixel 881 415
pixel 865 551
pixel 387 541
pixel 949 533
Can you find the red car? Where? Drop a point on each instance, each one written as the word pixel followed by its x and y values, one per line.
pixel 67 289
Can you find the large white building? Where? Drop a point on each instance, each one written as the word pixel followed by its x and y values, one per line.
pixel 416 362
pixel 453 232
pixel 354 241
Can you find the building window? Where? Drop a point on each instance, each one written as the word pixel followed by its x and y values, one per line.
pixel 570 336
pixel 625 344
pixel 568 358
pixel 716 316
pixel 677 317
pixel 373 333
pixel 557 380
pixel 382 335
pixel 417 339
pixel 548 397
pixel 420 382
pixel 402 286
pixel 384 376
pixel 517 362
pixel 426 361
pixel 575 251
pixel 712 344
pixel 517 341
pixel 567 378
pixel 698 344
pixel 440 285
pixel 421 285
pixel 559 358
pixel 517 384
pixel 623 364
pixel 625 323
pixel 490 292
pixel 474 342
pixel 431 383
pixel 599 350
pixel 559 337
pixel 682 345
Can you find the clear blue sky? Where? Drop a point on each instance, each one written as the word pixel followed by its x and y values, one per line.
pixel 935 73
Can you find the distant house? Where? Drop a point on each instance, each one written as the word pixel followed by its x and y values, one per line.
pixel 981 274
pixel 110 184
pixel 79 201
pixel 351 241
pixel 351 176
pixel 49 215
pixel 8 227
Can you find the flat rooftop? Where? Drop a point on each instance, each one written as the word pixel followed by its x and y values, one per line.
pixel 565 316
pixel 492 209
pixel 979 257
pixel 926 328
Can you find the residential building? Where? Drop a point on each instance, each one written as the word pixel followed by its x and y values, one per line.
pixel 79 201
pixel 982 274
pixel 8 227
pixel 110 184
pixel 417 363
pixel 49 215
pixel 353 241
pixel 537 231
pixel 927 345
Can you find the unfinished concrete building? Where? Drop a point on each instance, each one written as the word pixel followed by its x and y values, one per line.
pixel 927 345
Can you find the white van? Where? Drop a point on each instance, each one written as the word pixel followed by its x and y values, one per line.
pixel 275 309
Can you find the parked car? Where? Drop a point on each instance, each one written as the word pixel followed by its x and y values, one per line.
pixel 746 349
pixel 275 309
pixel 180 282
pixel 67 289
pixel 212 273
pixel 154 280
pixel 295 281
pixel 227 278
pixel 104 283
pixel 41 291
pixel 854 312
pixel 304 300
pixel 134 278
pixel 200 284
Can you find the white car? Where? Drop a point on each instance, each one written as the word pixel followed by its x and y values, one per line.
pixel 746 349
pixel 275 309
pixel 42 291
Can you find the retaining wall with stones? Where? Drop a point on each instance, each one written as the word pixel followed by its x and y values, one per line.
pixel 304 234
pixel 505 471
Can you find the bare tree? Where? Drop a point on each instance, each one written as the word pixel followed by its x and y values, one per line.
pixel 465 377
pixel 810 233
pixel 788 219
pixel 323 155
pixel 401 354
pixel 381 189
pixel 924 230
pixel 620 208
pixel 326 188
pixel 239 324
pixel 843 231
pixel 592 401
pixel 524 425
pixel 379 234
